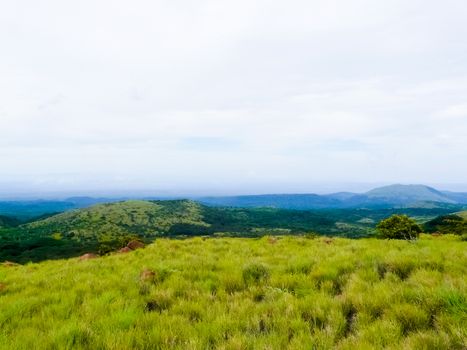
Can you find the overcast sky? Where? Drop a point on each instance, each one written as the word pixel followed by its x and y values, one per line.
pixel 232 96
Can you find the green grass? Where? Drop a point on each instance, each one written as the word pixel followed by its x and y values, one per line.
pixel 244 293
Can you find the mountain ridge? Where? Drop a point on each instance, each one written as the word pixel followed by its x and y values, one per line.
pixel 391 196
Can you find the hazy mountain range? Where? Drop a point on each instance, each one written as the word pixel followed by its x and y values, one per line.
pixel 393 196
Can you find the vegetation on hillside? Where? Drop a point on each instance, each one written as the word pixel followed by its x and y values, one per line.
pixel 224 293
pixel 455 224
pixel 107 227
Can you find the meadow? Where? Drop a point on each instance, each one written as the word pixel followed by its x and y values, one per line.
pixel 243 293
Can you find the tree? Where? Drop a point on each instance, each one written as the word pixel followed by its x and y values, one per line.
pixel 398 227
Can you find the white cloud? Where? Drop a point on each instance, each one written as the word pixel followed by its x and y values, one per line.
pixel 177 93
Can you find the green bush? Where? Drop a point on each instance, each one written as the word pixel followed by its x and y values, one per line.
pixel 398 227
pixel 255 273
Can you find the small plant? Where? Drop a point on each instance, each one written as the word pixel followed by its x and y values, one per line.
pixel 159 302
pixel 232 284
pixel 255 273
pixel 311 235
pixel 398 227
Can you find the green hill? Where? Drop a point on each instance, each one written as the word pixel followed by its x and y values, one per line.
pixel 235 293
pixel 107 221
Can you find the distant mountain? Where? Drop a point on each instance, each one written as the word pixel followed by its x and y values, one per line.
pixel 83 202
pixel 458 197
pixel 285 201
pixel 407 194
pixel 25 210
pixel 393 196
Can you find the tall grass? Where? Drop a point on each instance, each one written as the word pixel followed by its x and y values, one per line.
pixel 235 293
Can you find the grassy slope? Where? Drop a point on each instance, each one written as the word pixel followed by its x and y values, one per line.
pixel 462 214
pixel 269 293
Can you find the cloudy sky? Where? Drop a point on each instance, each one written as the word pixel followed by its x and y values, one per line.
pixel 237 96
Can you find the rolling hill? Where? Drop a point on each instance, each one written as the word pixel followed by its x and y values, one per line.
pixel 107 227
pixel 144 218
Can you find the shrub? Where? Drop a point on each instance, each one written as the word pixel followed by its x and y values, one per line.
pixel 398 227
pixel 255 273
pixel 159 302
pixel 311 235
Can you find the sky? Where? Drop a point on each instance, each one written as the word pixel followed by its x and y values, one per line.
pixel 244 96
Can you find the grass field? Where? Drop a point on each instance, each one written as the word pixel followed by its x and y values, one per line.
pixel 240 293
